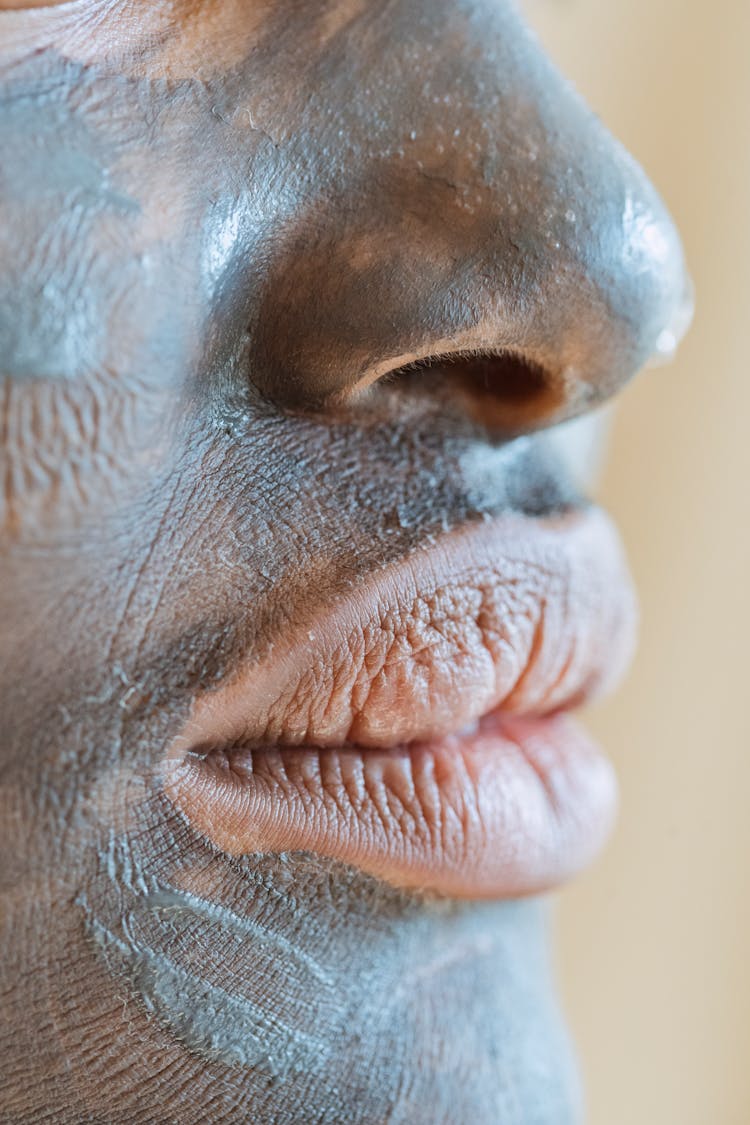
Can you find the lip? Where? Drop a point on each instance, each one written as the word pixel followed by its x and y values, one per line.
pixel 416 728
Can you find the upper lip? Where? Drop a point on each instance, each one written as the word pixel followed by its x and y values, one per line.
pixel 526 615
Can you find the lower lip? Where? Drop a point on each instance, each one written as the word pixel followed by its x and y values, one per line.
pixel 513 807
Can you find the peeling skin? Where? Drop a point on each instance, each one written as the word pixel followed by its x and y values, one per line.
pixel 225 227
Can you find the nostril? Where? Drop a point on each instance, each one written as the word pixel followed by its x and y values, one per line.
pixel 504 391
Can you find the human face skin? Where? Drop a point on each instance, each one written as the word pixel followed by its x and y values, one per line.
pixel 222 225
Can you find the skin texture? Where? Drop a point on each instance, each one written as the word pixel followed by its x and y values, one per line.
pixel 221 226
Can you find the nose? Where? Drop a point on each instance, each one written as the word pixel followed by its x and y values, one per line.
pixel 496 223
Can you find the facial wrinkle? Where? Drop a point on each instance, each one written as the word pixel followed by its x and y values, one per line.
pixel 175 902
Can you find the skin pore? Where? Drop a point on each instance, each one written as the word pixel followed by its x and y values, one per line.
pixel 223 227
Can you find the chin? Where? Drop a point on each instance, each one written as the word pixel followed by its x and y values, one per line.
pixel 292 988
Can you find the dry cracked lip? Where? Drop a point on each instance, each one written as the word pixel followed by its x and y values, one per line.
pixel 417 728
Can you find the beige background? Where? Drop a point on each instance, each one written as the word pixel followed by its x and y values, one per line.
pixel 655 942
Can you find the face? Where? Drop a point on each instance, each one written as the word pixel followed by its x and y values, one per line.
pixel 296 582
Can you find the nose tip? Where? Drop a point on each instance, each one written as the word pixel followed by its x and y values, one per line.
pixel 611 298
pixel 653 279
pixel 676 327
pixel 590 283
pixel 603 288
pixel 622 298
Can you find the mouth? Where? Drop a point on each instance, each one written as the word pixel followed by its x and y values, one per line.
pixel 418 728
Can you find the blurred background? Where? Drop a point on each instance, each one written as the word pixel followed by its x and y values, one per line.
pixel 654 944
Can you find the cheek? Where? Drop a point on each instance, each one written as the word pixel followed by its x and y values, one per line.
pixel 74 454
